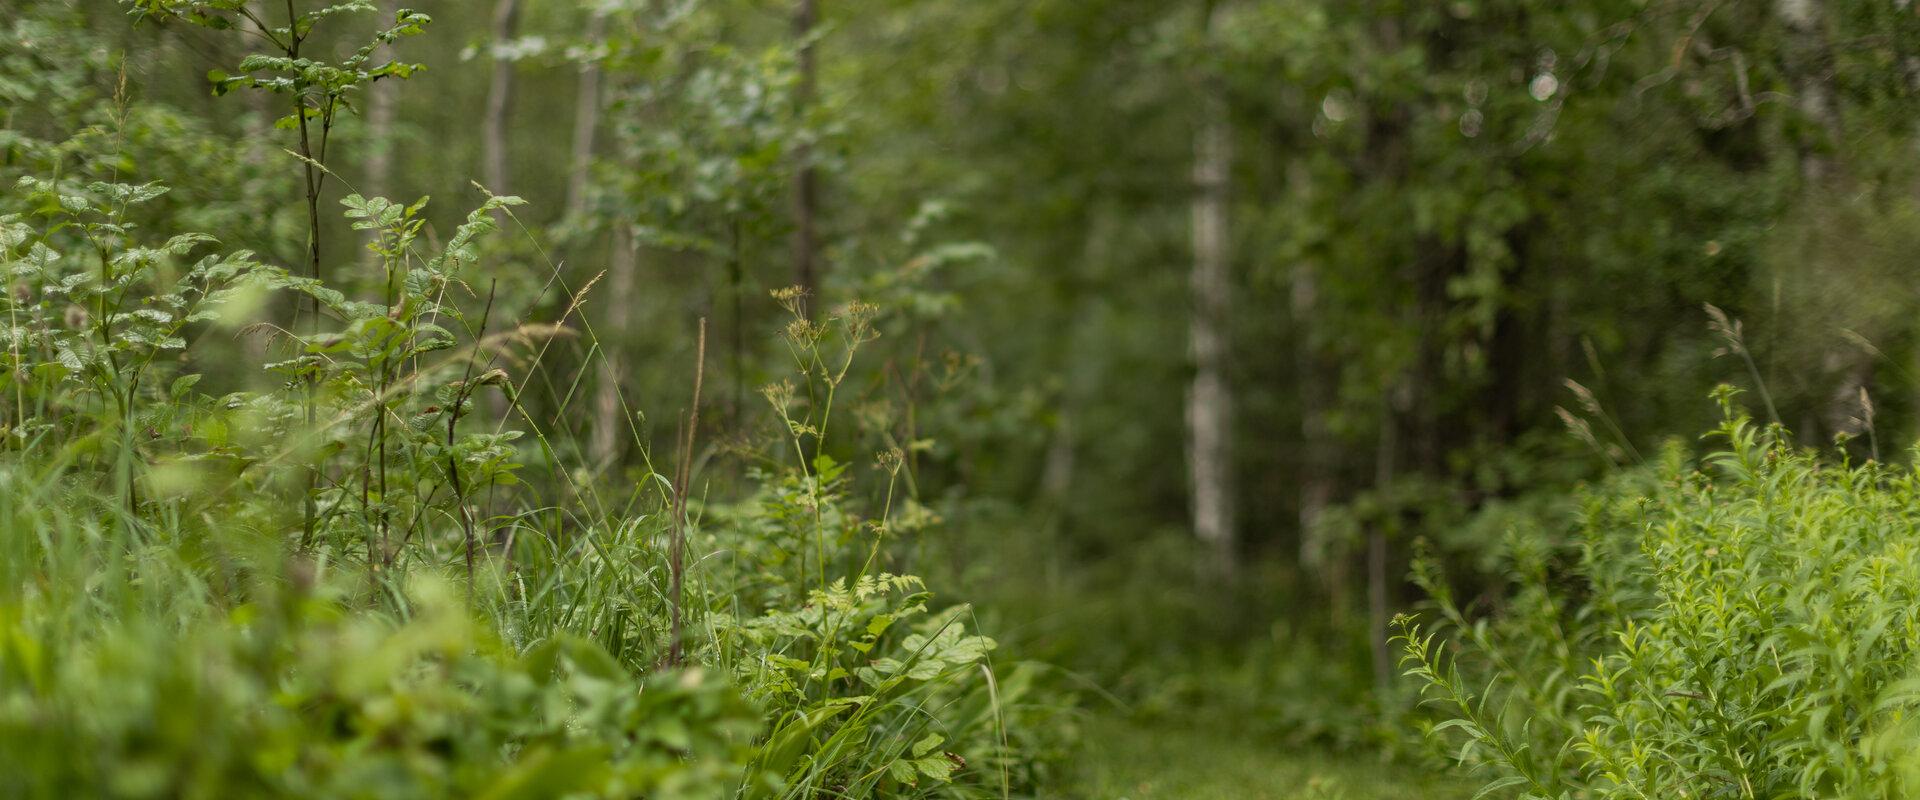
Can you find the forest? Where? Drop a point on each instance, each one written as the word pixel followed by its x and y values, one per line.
pixel 1079 399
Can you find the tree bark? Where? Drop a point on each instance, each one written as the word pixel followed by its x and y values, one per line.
pixel 806 180
pixel 1209 398
pixel 609 408
pixel 506 21
pixel 586 118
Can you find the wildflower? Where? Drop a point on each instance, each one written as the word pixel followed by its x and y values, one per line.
pixel 858 317
pixel 790 298
pixel 803 332
pixel 779 394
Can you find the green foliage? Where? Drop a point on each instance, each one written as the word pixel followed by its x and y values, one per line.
pixel 1742 628
pixel 298 694
pixel 330 567
pixel 221 663
pixel 1435 226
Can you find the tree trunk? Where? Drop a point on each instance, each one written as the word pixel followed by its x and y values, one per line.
pixel 1379 599
pixel 610 425
pixel 1314 388
pixel 260 105
pixel 806 180
pixel 1807 52
pixel 382 105
pixel 499 178
pixel 1317 472
pixel 586 118
pixel 1209 399
pixel 506 21
pixel 1846 370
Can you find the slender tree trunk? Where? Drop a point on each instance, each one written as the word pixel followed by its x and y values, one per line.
pixel 806 180
pixel 497 170
pixel 1316 471
pixel 1379 601
pixel 609 428
pixel 1318 478
pixel 382 106
pixel 260 106
pixel 1807 55
pixel 1808 71
pixel 586 118
pixel 609 412
pixel 506 22
pixel 737 344
pixel 260 142
pixel 1060 469
pixel 1209 399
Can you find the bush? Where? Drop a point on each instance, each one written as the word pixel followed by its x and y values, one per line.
pixel 1741 627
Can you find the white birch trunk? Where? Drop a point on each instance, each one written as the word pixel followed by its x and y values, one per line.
pixel 1209 398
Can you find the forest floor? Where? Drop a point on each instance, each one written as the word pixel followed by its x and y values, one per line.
pixel 1135 762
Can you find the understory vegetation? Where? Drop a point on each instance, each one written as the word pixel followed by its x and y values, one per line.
pixel 1734 624
pixel 343 586
pixel 363 568
pixel 1081 399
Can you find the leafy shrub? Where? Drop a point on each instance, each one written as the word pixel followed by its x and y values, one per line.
pixel 1743 627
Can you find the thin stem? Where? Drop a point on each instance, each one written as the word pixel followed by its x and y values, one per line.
pixel 678 545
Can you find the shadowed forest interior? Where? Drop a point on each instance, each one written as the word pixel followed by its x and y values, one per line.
pixel 959 398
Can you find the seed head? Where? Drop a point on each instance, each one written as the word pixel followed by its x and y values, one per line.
pixel 858 317
pixel 779 394
pixel 790 298
pixel 804 332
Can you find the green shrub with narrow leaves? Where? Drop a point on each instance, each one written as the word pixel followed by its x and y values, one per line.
pixel 1743 625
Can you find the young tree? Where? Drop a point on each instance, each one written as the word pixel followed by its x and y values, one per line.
pixel 382 107
pixel 586 114
pixel 1209 398
pixel 506 24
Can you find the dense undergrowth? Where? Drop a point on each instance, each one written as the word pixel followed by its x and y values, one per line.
pixel 1736 625
pixel 179 623
pixel 316 489
pixel 264 534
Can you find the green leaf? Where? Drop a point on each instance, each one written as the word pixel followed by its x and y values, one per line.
pixel 927 744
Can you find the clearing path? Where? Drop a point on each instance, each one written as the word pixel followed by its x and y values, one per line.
pixel 1134 762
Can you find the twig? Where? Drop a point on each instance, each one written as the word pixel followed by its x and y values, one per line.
pixel 453 464
pixel 677 546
